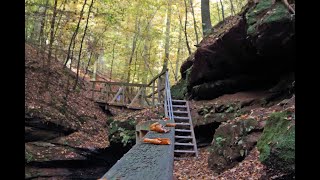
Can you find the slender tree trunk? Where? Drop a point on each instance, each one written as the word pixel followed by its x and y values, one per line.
pixel 75 32
pixel 185 26
pixel 178 52
pixel 222 10
pixel 113 46
pixel 43 20
pixel 51 42
pixel 84 35
pixel 194 22
pixel 232 7
pixel 205 16
pixel 72 51
pixel 91 53
pixel 86 70
pixel 218 11
pixel 26 28
pixel 167 40
pixel 146 55
pixel 134 44
pixel 135 67
pixel 58 24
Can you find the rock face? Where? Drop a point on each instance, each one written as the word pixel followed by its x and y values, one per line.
pixel 231 143
pixel 277 145
pixel 251 50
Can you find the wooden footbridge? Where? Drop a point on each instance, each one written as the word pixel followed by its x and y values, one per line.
pixel 143 160
pixel 130 95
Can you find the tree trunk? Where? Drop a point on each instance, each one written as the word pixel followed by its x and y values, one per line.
pixel 72 51
pixel 114 43
pixel 194 22
pixel 134 44
pixel 86 70
pixel 185 26
pixel 91 53
pixel 218 11
pixel 232 8
pixel 43 20
pixel 51 42
pixel 178 52
pixel 146 55
pixel 222 10
pixel 84 35
pixel 167 40
pixel 75 33
pixel 205 16
pixel 58 24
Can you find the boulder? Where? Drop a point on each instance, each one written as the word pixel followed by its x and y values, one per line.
pixel 277 145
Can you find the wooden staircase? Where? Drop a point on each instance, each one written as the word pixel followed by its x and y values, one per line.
pixel 185 143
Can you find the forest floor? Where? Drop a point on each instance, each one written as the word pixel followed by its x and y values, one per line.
pixel 75 112
pixel 194 169
pixel 250 168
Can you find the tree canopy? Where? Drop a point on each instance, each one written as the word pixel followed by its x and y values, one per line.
pixel 126 40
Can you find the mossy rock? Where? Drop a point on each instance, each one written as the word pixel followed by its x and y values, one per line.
pixel 277 144
pixel 179 90
pixel 261 7
pixel 232 143
pixel 265 12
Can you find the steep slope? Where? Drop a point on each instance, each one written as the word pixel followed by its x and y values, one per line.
pixel 61 127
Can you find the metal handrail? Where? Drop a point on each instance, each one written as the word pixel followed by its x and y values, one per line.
pixel 168 98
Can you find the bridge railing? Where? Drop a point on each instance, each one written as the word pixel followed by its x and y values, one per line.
pixel 131 95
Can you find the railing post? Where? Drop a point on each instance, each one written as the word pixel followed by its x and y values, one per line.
pixel 123 94
pixel 142 96
pixel 153 89
pixel 159 87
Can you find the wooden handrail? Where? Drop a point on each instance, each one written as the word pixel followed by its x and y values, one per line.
pixel 120 83
pixel 156 77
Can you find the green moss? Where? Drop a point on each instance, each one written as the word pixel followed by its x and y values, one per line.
pixel 262 6
pixel 251 29
pixel 279 13
pixel 277 142
pixel 28 157
pixel 179 90
pixel 122 131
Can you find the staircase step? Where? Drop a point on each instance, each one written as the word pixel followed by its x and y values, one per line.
pixel 183 124
pixel 183 130
pixel 176 100
pixel 183 158
pixel 184 144
pixel 184 137
pixel 179 117
pixel 182 112
pixel 179 106
pixel 184 151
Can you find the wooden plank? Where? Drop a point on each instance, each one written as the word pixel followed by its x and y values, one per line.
pixel 136 97
pixel 121 83
pixel 156 92
pixel 118 93
pixel 156 77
